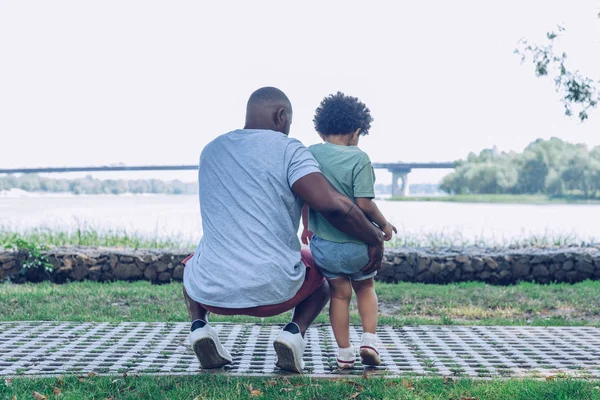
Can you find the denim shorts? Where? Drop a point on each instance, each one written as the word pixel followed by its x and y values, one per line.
pixel 336 260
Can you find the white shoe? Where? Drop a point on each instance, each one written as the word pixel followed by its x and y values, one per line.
pixel 369 349
pixel 289 348
pixel 346 357
pixel 208 348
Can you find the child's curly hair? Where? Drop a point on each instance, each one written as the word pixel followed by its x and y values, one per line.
pixel 339 114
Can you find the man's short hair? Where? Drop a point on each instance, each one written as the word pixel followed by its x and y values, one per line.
pixel 268 95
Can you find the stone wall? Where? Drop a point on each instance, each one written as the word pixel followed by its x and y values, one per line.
pixel 414 265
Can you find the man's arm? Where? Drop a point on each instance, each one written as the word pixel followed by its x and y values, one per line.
pixel 341 212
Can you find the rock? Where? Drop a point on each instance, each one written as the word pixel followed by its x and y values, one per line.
pixel 559 258
pixel 584 257
pixel 106 276
pixel 6 258
pixel 406 268
pixel 540 259
pixel 89 261
pixel 490 263
pixel 9 265
pixel 94 273
pixel 164 277
pixel 178 272
pixel 540 271
pixel 462 259
pixel 560 275
pixel 78 272
pixel 584 267
pixel 451 266
pixel 151 273
pixel 505 276
pixel 160 266
pixel 484 275
pixel 165 258
pixel 423 264
pixel 477 264
pixel 401 278
pixel 127 272
pixel 456 275
pixel 397 260
pixel 568 265
pixel 435 268
pixel 67 266
pixel 572 276
pixel 520 270
pixel 114 260
pixel 468 277
pixel 126 259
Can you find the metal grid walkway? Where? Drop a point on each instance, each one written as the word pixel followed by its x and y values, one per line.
pixel 49 348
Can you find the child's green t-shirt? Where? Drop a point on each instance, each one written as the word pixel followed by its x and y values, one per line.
pixel 349 170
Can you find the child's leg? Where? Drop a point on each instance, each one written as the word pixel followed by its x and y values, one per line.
pixel 367 304
pixel 339 314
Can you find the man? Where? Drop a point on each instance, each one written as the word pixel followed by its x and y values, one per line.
pixel 253 183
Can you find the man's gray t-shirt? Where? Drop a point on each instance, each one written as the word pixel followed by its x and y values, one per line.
pixel 249 254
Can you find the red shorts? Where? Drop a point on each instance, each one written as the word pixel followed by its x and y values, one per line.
pixel 312 281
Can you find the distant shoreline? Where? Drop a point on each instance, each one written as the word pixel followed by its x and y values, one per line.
pixel 498 199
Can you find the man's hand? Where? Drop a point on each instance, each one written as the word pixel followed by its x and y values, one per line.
pixel 306 236
pixel 375 257
pixel 387 231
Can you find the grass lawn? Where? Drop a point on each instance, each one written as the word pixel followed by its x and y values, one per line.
pixel 224 387
pixel 402 303
pixel 501 198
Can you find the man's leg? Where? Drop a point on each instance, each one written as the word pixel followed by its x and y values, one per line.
pixel 195 310
pixel 290 344
pixel 204 339
pixel 309 309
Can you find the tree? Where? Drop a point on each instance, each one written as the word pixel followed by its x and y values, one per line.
pixel 533 172
pixel 576 91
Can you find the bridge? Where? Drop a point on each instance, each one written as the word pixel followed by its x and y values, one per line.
pixel 399 171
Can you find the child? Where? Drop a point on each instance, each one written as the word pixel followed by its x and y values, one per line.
pixel 340 120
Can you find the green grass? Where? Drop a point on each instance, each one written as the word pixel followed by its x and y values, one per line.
pixel 208 386
pixel 501 198
pixel 96 238
pixel 403 303
pixel 400 304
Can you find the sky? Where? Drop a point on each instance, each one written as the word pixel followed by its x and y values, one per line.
pixel 152 82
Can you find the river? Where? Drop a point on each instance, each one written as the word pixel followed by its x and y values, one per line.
pixel 168 216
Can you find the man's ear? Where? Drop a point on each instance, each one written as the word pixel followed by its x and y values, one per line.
pixel 280 117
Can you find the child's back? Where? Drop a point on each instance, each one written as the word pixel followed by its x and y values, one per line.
pixel 349 170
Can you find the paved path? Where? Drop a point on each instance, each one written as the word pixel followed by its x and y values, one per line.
pixel 52 348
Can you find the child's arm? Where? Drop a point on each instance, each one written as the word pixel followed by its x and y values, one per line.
pixel 370 209
pixel 306 234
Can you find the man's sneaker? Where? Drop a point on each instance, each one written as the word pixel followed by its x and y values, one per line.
pixel 289 348
pixel 346 357
pixel 208 348
pixel 369 349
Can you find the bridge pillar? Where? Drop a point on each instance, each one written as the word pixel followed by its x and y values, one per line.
pixel 399 191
